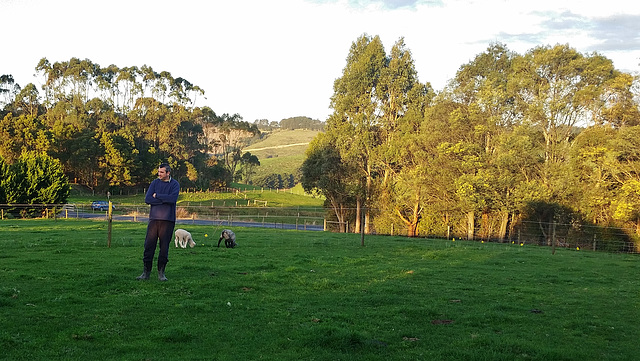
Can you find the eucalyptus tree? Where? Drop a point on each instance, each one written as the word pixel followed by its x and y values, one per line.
pixel 127 88
pixel 208 121
pixel 8 90
pixel 484 87
pixel 105 84
pixel 230 136
pixel 405 189
pixel 400 156
pixel 558 88
pixel 618 102
pixel 27 101
pixel 79 74
pixel 324 173
pixel 355 117
pixel 183 92
pixel 147 116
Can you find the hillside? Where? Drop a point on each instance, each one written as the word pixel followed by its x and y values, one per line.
pixel 281 151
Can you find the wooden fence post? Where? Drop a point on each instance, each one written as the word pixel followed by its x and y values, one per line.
pixel 109 218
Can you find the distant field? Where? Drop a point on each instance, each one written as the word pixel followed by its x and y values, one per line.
pixel 281 151
pixel 295 295
pixel 279 138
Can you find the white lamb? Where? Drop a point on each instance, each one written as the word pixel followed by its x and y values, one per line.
pixel 183 237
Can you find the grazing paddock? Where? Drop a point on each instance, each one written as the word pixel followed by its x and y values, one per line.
pixel 295 295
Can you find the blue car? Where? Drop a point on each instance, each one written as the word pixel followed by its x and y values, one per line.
pixel 101 206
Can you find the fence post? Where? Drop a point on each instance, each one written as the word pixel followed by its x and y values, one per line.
pixel 594 242
pixel 109 216
pixel 553 238
pixel 362 211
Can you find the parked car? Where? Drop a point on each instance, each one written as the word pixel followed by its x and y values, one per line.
pixel 101 206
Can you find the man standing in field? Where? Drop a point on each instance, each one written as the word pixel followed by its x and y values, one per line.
pixel 162 196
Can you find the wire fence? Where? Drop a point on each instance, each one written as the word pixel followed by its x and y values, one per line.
pixel 297 218
pixel 551 234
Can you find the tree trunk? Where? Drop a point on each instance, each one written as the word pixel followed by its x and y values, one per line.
pixel 504 221
pixel 338 210
pixel 470 225
pixel 485 232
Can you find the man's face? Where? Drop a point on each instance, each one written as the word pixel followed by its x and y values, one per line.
pixel 163 175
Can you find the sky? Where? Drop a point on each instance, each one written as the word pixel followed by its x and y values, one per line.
pixel 276 59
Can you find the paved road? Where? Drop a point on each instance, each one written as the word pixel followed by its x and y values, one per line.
pixel 216 223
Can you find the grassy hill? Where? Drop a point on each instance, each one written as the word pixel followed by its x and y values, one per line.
pixel 281 151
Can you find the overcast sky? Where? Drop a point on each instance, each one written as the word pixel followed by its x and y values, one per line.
pixel 277 59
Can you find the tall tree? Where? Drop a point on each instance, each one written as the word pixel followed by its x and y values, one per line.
pixel 355 118
pixel 8 90
pixel 558 88
pixel 400 156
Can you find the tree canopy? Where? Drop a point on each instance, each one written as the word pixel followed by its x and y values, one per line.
pixel 110 127
pixel 544 136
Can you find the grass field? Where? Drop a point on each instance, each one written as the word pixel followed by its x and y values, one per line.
pixel 293 295
pixel 294 197
pixel 281 151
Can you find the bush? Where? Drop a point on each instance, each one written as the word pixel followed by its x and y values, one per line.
pixel 34 179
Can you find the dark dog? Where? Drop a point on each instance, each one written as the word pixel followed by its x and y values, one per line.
pixel 229 238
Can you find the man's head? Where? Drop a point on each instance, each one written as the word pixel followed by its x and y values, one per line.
pixel 164 172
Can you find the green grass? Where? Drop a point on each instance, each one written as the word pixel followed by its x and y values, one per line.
pixel 278 152
pixel 251 196
pixel 280 165
pixel 273 144
pixel 293 295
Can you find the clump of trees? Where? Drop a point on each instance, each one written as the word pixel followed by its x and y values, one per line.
pixel 547 136
pixel 290 124
pixel 109 127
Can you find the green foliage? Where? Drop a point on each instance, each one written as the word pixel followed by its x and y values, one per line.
pixel 301 123
pixel 110 127
pixel 547 136
pixel 277 181
pixel 36 178
pixel 65 295
pixel 4 179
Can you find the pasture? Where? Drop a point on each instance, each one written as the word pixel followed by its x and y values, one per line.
pixel 295 295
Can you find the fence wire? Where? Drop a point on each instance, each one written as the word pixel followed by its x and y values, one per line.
pixel 555 235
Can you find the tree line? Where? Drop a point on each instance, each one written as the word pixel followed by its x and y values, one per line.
pixel 552 135
pixel 290 124
pixel 110 127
